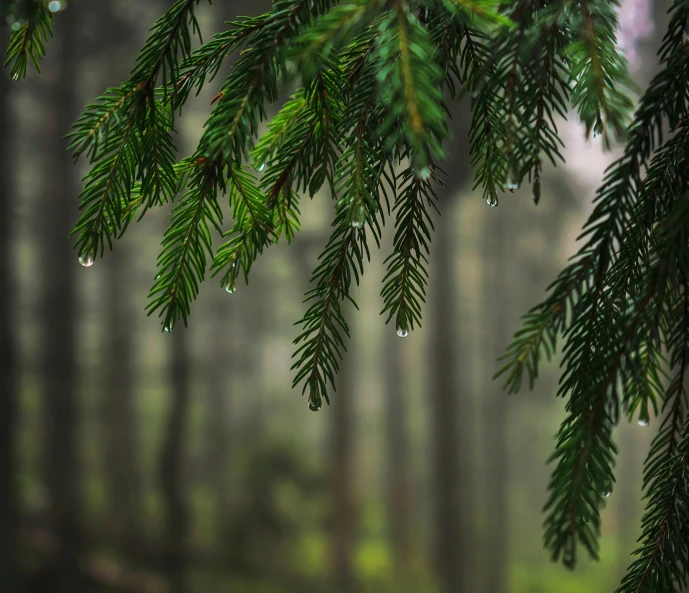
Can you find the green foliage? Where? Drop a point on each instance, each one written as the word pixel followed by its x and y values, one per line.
pixel 32 25
pixel 367 119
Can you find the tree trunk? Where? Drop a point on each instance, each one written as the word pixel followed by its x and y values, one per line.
pixel 399 481
pixel 176 527
pixel 8 347
pixel 121 448
pixel 120 445
pixel 218 408
pixel 342 455
pixel 451 464
pixel 495 551
pixel 449 549
pixel 58 269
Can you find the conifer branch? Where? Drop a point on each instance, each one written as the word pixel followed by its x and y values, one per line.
pixel 28 39
pixel 599 71
pixel 404 284
pixel 186 245
pixel 408 87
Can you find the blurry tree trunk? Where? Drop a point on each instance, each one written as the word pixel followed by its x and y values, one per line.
pixel 451 464
pixel 399 481
pixel 495 550
pixel 342 477
pixel 176 514
pixel 217 406
pixel 8 347
pixel 627 494
pixel 58 268
pixel 121 450
pixel 449 548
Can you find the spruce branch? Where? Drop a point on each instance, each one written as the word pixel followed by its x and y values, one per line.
pixel 30 33
pixel 404 284
pixel 186 245
pixel 251 232
pixel 170 36
pixel 599 71
pixel 663 554
pixel 408 87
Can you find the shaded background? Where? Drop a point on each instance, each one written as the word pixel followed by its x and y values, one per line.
pixel 183 463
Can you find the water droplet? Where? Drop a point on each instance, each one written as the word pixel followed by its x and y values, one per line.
pixel 492 200
pixel 643 421
pixel 230 286
pixel 358 216
pixel 55 6
pixel 87 259
pixel 513 179
pixel 568 560
pixel 168 327
pixel 315 401
pixel 607 492
pixel 424 173
pixel 474 94
pixel 261 167
pixel 402 331
pixel 15 27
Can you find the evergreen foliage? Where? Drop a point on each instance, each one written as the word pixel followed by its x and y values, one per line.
pixel 368 121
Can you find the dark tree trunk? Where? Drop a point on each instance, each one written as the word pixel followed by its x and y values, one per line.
pixel 218 408
pixel 399 481
pixel 58 268
pixel 451 463
pixel 342 456
pixel 176 526
pixel 120 444
pixel 8 347
pixel 449 548
pixel 121 449
pixel 496 467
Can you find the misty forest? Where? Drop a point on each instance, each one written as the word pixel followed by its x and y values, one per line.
pixel 456 230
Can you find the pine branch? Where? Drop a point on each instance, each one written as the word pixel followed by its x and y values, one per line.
pixel 404 285
pixel 408 88
pixel 204 63
pixel 108 184
pixel 170 36
pixel 663 554
pixel 617 198
pixel 599 71
pixel 252 230
pixel 28 39
pixel 186 245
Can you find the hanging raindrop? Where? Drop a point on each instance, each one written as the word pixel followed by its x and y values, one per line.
pixel 492 200
pixel 168 327
pixel 643 421
pixel 402 331
pixel 230 286
pixel 513 178
pixel 424 173
pixel 358 216
pixel 314 407
pixel 87 259
pixel 607 492
pixel 55 6
pixel 261 166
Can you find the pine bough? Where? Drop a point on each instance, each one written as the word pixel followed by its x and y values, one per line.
pixel 368 122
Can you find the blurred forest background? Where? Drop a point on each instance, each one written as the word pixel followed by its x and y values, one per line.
pixel 137 461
